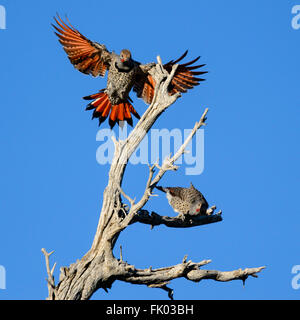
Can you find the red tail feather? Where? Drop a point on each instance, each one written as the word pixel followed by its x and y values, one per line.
pixel 103 107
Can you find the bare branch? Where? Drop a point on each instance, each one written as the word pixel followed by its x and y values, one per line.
pixel 99 268
pixel 168 165
pixel 121 253
pixel 197 126
pixel 131 201
pixel 198 275
pixel 159 278
pixel 50 272
pixel 165 288
pixel 155 219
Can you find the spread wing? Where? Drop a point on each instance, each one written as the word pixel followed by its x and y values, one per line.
pixel 87 56
pixel 185 78
pixel 144 84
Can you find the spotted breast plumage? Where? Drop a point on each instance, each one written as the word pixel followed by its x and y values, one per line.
pixel 186 201
pixel 124 74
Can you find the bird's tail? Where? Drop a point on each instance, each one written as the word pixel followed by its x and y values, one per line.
pixel 161 188
pixel 103 108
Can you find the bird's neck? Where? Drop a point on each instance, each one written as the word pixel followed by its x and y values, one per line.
pixel 125 66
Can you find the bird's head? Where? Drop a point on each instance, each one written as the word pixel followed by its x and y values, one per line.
pixel 125 55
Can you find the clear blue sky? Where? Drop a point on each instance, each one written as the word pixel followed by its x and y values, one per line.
pixel 51 185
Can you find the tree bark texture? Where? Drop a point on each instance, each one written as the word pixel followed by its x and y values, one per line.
pixel 99 268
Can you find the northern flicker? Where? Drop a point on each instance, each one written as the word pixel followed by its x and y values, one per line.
pixel 186 201
pixel 124 74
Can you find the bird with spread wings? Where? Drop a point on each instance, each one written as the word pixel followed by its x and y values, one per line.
pixel 124 74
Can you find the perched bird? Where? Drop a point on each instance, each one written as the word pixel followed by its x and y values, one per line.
pixel 124 74
pixel 186 201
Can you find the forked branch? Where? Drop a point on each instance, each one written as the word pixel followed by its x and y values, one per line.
pixel 99 268
pixel 159 278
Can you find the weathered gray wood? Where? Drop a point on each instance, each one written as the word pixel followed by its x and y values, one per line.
pixel 99 268
pixel 154 219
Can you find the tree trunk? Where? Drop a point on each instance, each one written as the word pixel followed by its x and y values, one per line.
pixel 99 268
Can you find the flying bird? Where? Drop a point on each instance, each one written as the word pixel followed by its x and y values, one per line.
pixel 124 74
pixel 186 201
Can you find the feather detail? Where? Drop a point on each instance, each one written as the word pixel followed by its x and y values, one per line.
pixel 87 56
pixel 184 77
pixel 103 108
